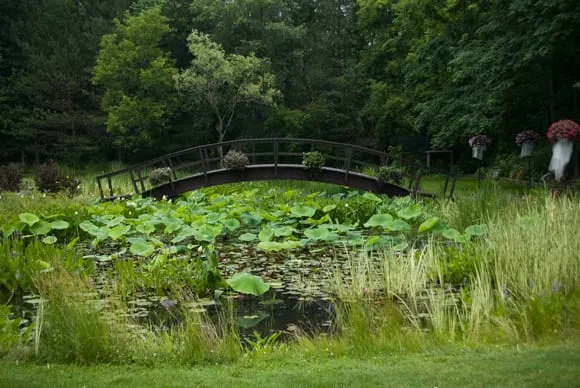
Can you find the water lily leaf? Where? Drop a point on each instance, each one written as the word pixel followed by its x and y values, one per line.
pixel 328 208
pixel 372 240
pixel 140 247
pixel 302 211
pixel 185 233
pixel 266 234
pixel 272 246
pixel 371 197
pixel 251 219
pixel 247 237
pixel 118 231
pixel 29 218
pixel 213 218
pixel 269 217
pixel 49 240
pixel 59 225
pixel 354 238
pixel 382 220
pixel 410 212
pixel 249 321
pixel 320 221
pixel 115 221
pixel 283 231
pixel 476 230
pixel 146 228
pixel 94 230
pixel 398 225
pixel 452 234
pixel 320 234
pixel 40 228
pixel 231 224
pixel 428 224
pixel 208 233
pixel 247 283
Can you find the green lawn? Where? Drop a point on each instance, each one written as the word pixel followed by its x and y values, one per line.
pixel 485 367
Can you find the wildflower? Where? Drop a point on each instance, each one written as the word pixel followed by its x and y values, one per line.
pixel 506 293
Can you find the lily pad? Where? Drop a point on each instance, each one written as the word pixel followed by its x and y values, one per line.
pixel 247 237
pixel 382 220
pixel 302 211
pixel 59 225
pixel 29 218
pixel 428 224
pixel 410 212
pixel 247 283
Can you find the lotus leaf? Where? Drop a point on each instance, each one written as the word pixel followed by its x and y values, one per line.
pixel 382 220
pixel 29 218
pixel 428 224
pixel 247 283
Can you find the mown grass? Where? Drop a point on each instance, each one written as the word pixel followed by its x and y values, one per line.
pixel 458 367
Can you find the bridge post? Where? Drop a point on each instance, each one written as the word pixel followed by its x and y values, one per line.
pixel 275 144
pixel 347 163
pixel 134 182
pixel 202 152
pixel 416 187
pixel 110 185
pixel 100 187
pixel 141 179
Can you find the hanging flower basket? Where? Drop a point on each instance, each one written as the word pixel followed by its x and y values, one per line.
pixel 478 144
pixel 562 134
pixel 563 129
pixel 527 140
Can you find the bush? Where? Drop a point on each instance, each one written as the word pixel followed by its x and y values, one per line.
pixel 50 179
pixel 392 174
pixel 235 160
pixel 313 160
pixel 10 177
pixel 160 176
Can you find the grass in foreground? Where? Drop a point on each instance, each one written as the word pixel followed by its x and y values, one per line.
pixel 465 367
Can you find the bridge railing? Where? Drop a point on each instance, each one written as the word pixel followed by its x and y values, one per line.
pixel 349 158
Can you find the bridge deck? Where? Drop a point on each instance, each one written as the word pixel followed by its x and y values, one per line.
pixel 270 159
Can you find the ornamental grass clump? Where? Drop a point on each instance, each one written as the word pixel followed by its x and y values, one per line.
pixel 235 160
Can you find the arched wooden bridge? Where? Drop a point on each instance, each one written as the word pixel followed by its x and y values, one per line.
pixel 271 159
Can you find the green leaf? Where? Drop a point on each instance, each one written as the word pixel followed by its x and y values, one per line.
pixel 302 211
pixel 283 231
pixel 140 247
pixel 247 237
pixel 49 240
pixel 208 233
pixel 146 228
pixel 251 219
pixel 428 224
pixel 94 230
pixel 328 208
pixel 452 234
pixel 231 224
pixel 371 197
pixel 40 228
pixel 29 218
pixel 398 225
pixel 476 230
pixel 382 220
pixel 185 233
pixel 247 283
pixel 118 231
pixel 410 212
pixel 266 234
pixel 59 225
pixel 320 234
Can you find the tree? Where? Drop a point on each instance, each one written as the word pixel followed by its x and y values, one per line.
pixel 137 75
pixel 224 82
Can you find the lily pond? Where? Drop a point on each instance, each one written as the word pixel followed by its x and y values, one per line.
pixel 278 258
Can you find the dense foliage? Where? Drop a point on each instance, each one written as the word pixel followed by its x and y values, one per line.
pixel 84 80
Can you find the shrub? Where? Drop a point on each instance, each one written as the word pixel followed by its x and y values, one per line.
pixel 392 173
pixel 50 179
pixel 313 160
pixel 235 160
pixel 160 176
pixel 10 177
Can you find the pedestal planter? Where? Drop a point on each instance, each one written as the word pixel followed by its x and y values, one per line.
pixel 477 152
pixel 561 153
pixel 527 149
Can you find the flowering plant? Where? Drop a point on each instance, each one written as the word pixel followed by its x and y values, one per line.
pixel 563 129
pixel 527 136
pixel 479 141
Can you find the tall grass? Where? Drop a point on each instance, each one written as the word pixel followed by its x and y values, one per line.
pixel 525 286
